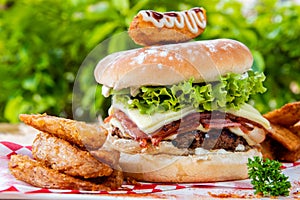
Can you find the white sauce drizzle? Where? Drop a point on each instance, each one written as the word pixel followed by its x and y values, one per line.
pixel 105 91
pixel 192 18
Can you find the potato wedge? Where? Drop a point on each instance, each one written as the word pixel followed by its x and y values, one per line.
pixel 284 136
pixel 86 136
pixel 296 128
pixel 289 156
pixel 287 115
pixel 36 174
pixel 272 149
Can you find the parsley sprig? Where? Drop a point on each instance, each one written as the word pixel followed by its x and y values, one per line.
pixel 266 177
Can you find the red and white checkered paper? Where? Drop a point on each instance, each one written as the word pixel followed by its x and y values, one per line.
pixel 9 184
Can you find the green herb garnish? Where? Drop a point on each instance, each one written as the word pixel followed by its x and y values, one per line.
pixel 266 177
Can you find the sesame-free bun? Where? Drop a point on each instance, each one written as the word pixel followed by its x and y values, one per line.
pixel 192 168
pixel 204 61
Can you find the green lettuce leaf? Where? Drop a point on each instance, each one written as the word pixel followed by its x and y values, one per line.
pixel 230 91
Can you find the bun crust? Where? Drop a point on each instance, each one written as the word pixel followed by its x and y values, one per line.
pixel 204 61
pixel 151 28
pixel 202 168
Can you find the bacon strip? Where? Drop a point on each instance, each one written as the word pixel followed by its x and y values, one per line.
pixel 131 128
pixel 209 120
pixel 218 123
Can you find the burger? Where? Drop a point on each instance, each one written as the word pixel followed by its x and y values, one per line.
pixel 179 112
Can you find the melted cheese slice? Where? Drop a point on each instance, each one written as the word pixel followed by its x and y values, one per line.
pixel 249 112
pixel 150 123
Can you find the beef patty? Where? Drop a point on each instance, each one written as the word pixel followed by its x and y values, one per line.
pixel 213 139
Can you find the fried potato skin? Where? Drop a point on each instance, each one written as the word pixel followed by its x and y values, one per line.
pixel 86 136
pixel 110 157
pixel 286 116
pixel 114 181
pixel 64 157
pixel 283 139
pixel 296 128
pixel 36 174
pixel 284 136
pixel 274 150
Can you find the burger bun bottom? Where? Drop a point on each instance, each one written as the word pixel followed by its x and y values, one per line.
pixel 222 166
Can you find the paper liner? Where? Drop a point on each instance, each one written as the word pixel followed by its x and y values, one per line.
pixel 8 182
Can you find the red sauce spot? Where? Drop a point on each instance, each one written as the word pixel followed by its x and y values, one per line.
pixel 171 14
pixel 197 10
pixel 157 15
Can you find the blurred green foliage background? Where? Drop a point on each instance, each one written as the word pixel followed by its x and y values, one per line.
pixel 43 43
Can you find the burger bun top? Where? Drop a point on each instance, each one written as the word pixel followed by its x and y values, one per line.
pixel 204 61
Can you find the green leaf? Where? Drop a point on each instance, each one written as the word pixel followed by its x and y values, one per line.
pixel 120 42
pixel 259 63
pixel 14 107
pixel 231 91
pixel 121 5
pixel 100 33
